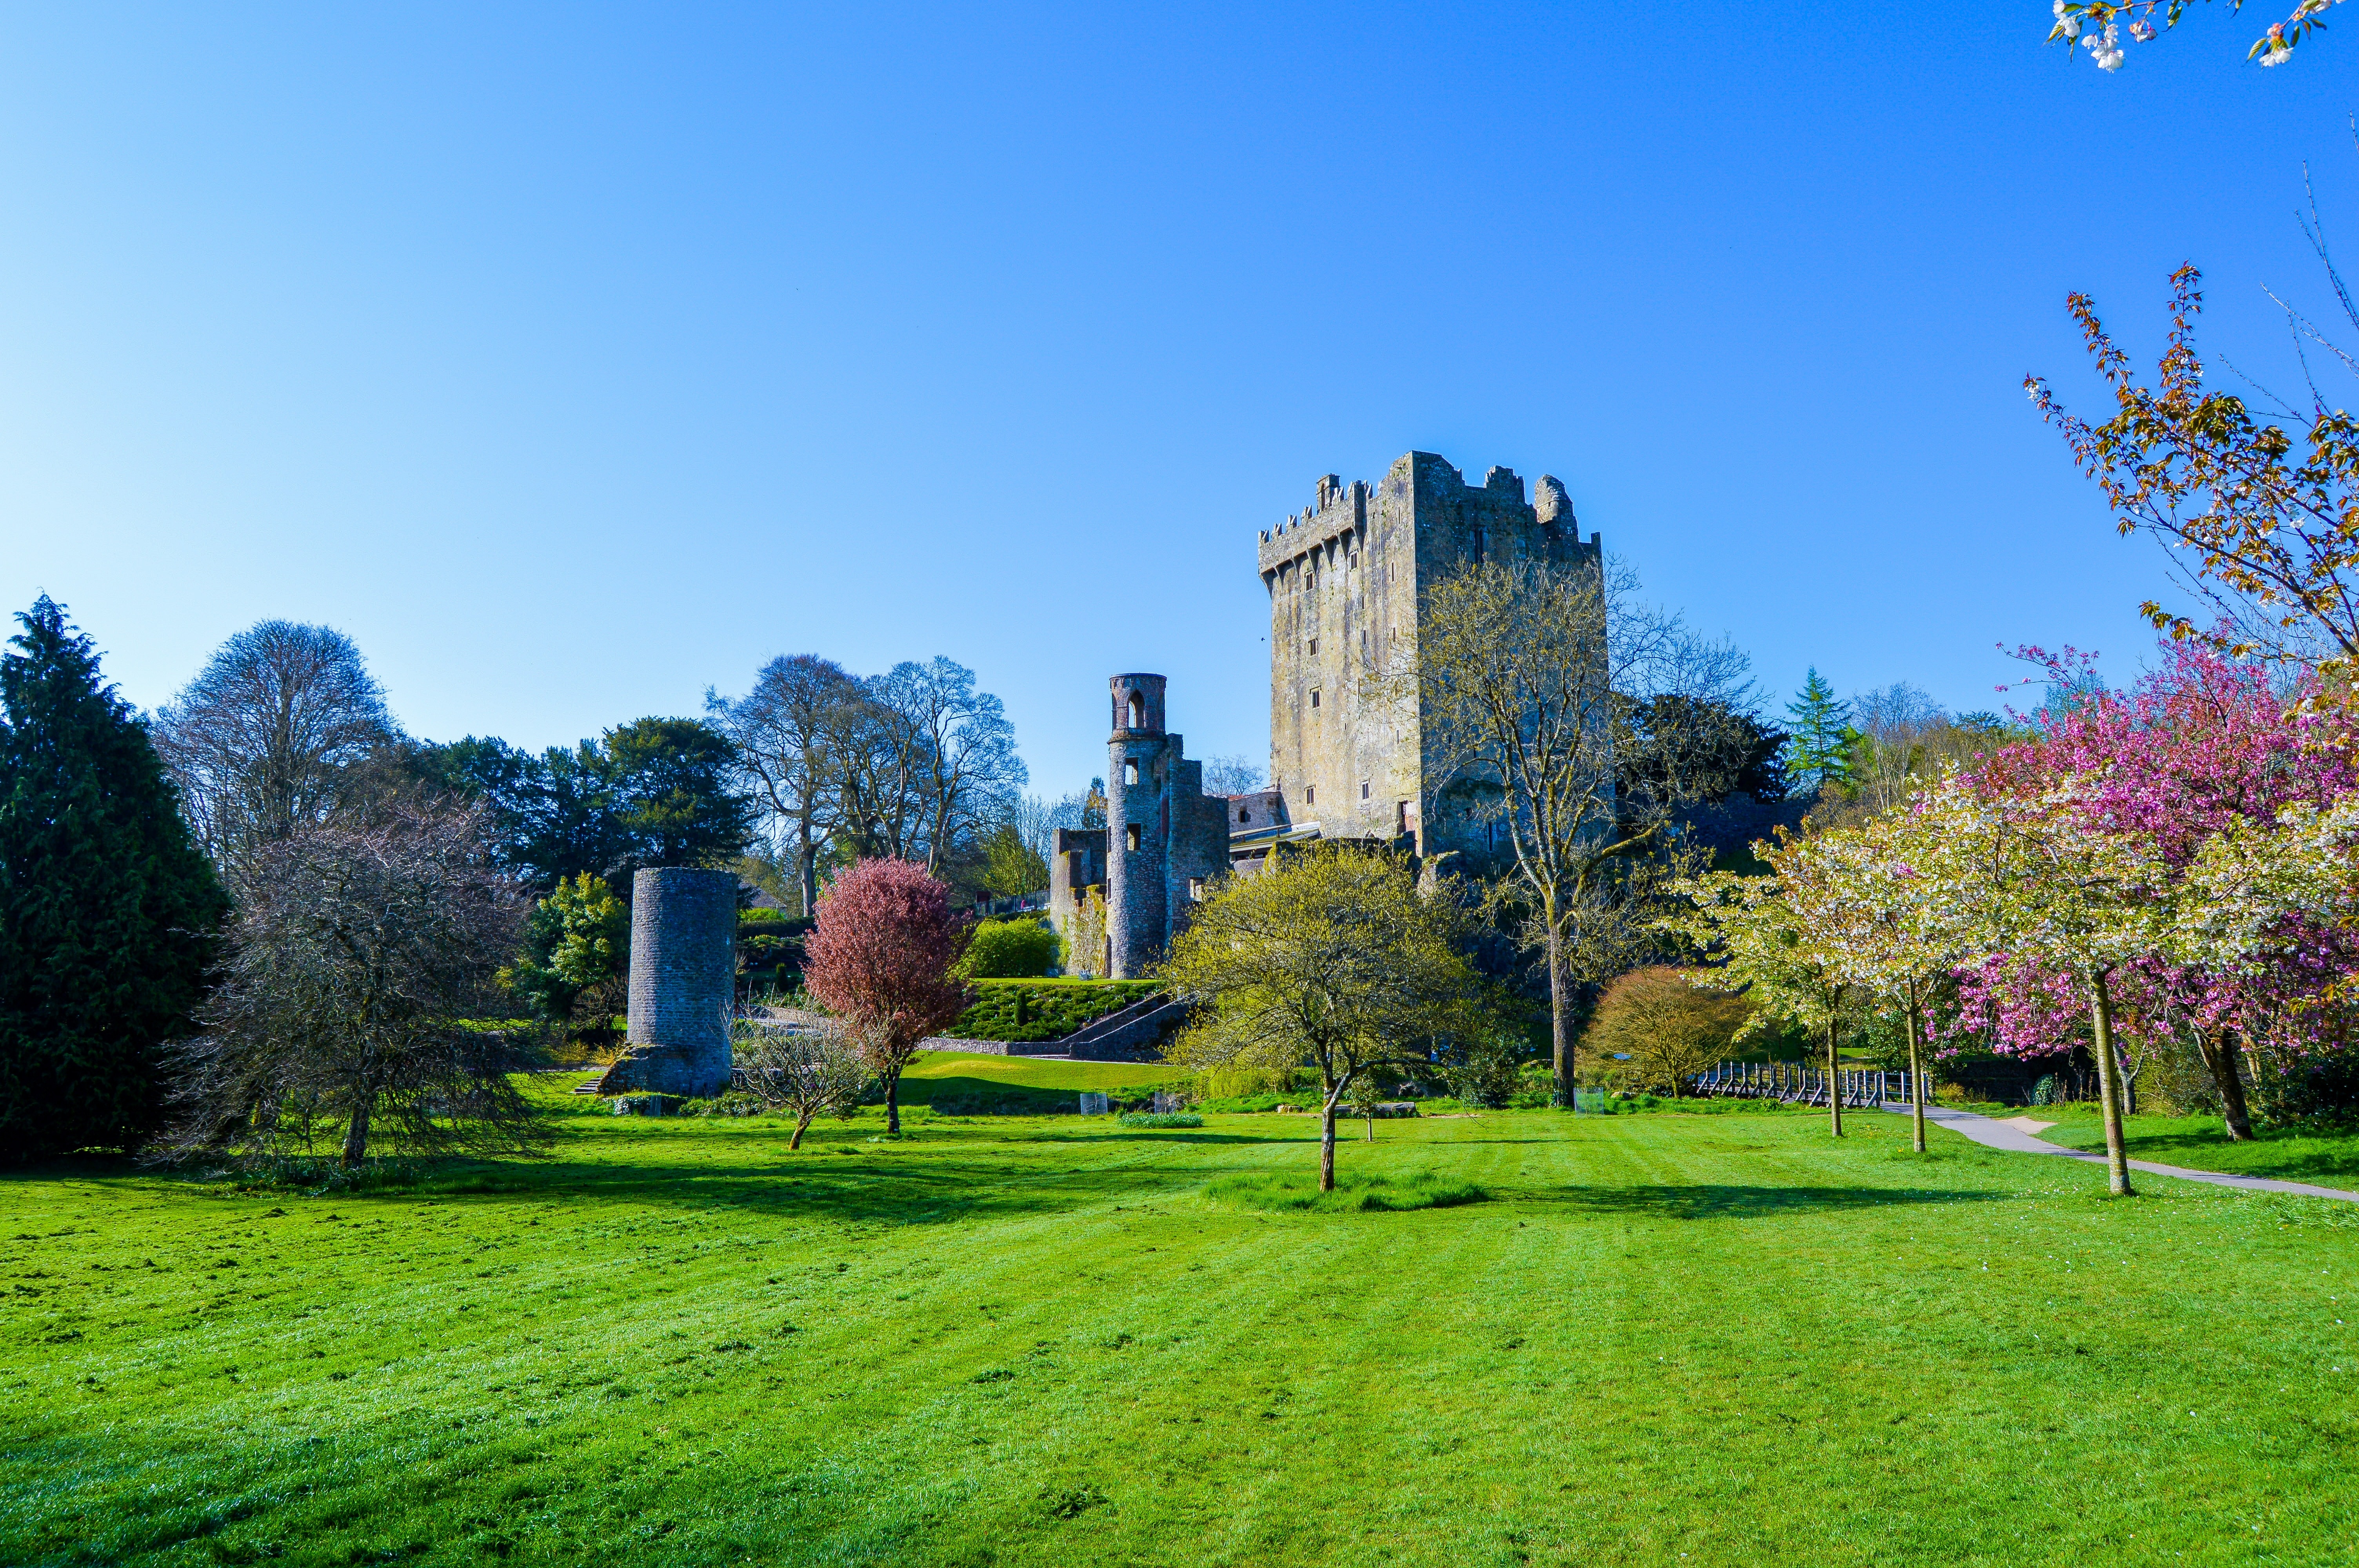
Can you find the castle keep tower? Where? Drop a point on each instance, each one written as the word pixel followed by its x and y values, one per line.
pixel 1345 579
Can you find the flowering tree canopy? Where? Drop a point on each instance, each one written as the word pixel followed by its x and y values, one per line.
pixel 2102 26
pixel 2274 535
pixel 880 959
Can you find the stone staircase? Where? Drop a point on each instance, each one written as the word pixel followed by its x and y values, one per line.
pixel 1133 1033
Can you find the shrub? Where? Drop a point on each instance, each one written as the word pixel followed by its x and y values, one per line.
pixel 1485 1071
pixel 1669 1028
pixel 2322 1090
pixel 1042 1010
pixel 1162 1119
pixel 1010 949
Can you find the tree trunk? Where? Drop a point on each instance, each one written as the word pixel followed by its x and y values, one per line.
pixel 1915 1074
pixel 808 872
pixel 356 1136
pixel 1559 1025
pixel 2220 1056
pixel 893 1101
pixel 1834 1083
pixel 1327 1146
pixel 802 1125
pixel 2109 1073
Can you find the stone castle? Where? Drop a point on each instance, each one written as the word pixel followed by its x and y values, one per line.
pixel 1344 579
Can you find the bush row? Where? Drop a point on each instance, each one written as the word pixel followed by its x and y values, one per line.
pixel 1042 1010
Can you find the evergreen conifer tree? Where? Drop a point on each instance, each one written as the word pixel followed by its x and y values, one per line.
pixel 1819 737
pixel 107 909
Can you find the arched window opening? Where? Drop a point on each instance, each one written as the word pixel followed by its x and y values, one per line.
pixel 1137 714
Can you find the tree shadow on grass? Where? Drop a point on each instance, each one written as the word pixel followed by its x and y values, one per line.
pixel 1719 1201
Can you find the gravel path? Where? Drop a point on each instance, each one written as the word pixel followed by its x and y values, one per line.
pixel 1997 1134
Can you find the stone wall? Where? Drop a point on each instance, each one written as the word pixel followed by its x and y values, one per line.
pixel 1077 862
pixel 683 979
pixel 1344 580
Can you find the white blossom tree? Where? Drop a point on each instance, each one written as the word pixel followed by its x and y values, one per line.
pixel 2026 880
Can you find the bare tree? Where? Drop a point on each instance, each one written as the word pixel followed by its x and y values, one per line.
pixel 358 959
pixel 275 735
pixel 1234 775
pixel 788 730
pixel 1037 819
pixel 1895 721
pixel 1579 720
pixel 802 1069
pixel 960 761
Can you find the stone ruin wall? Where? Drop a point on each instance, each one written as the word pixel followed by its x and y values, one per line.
pixel 683 979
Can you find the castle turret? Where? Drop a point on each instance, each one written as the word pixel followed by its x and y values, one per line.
pixel 1139 826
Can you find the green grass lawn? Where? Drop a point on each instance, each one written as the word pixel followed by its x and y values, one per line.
pixel 1016 1340
pixel 2200 1143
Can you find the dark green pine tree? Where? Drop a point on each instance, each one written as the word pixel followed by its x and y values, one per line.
pixel 1819 737
pixel 107 909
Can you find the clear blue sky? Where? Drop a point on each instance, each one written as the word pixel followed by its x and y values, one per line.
pixel 572 358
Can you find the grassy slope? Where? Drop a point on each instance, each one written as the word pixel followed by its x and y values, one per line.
pixel 2200 1143
pixel 1036 1342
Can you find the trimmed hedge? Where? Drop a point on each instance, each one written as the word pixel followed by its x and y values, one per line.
pixel 1042 1010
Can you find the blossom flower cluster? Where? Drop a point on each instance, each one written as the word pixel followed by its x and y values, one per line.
pixel 2099 26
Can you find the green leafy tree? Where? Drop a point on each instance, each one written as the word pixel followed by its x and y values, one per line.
pixel 576 953
pixel 1333 959
pixel 108 910
pixel 1819 737
pixel 1010 865
pixel 675 799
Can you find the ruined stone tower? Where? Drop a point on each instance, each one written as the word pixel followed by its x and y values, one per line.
pixel 1163 843
pixel 683 978
pixel 1344 580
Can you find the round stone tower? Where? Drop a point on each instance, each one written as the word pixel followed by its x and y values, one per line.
pixel 683 977
pixel 1139 827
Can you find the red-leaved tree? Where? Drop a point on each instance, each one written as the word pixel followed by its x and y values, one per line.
pixel 880 959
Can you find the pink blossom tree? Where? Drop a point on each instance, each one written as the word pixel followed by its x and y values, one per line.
pixel 880 959
pixel 2201 746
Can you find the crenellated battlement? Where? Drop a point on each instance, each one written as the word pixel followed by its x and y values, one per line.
pixel 1346 579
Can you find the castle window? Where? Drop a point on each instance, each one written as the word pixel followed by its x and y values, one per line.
pixel 1196 890
pixel 1364 789
pixel 1309 794
pixel 1314 647
pixel 1353 560
pixel 1138 718
pixel 1243 814
pixel 1314 696
pixel 1130 772
pixel 1130 836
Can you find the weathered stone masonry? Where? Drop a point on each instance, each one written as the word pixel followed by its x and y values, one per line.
pixel 1344 580
pixel 1164 841
pixel 683 979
